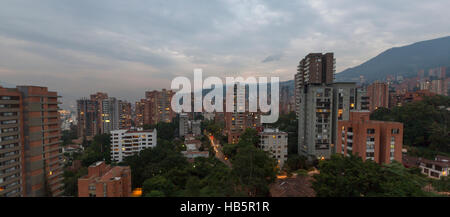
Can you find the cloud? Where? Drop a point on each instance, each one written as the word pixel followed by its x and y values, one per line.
pixel 127 47
pixel 271 58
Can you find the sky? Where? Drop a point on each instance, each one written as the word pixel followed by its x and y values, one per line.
pixel 125 48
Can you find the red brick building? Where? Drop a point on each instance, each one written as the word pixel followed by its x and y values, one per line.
pixel 105 181
pixel 380 141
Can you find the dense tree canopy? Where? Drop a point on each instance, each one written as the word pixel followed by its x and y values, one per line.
pixel 351 177
pixel 426 122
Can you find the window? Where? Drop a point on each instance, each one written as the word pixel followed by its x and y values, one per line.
pixel 370 131
pixel 395 131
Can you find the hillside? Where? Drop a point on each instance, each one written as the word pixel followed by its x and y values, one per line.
pixel 405 61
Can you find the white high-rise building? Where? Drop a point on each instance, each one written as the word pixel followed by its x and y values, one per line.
pixel 125 143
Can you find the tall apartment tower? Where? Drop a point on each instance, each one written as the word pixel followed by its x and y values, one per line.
pixel 42 142
pixel 87 118
pixel 378 94
pixel 320 103
pixel 240 118
pixel 158 107
pixel 124 115
pixel 12 162
pixel 98 99
pixel 315 68
pixel 139 113
pixel 110 115
pixel 345 100
pixel 184 124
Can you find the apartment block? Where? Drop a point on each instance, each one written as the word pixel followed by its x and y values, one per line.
pixel 316 122
pixel 275 142
pixel 110 115
pixel 380 141
pixel 104 180
pixel 184 124
pixel 437 168
pixel 378 94
pixel 158 107
pixel 125 143
pixel 42 142
pixel 124 114
pixel 12 159
pixel 98 99
pixel 139 113
pixel 239 118
pixel 87 118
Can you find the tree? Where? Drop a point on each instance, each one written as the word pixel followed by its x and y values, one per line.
pixel 254 169
pixel 426 123
pixel 157 183
pixel 351 177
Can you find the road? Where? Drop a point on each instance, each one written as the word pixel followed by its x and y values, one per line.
pixel 218 150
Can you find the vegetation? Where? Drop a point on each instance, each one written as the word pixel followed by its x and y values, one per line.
pixel 442 185
pixel 99 149
pixel 351 177
pixel 164 171
pixel 69 135
pixel 289 123
pixel 426 123
pixel 71 181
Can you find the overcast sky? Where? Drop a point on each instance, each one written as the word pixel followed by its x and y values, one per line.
pixel 127 47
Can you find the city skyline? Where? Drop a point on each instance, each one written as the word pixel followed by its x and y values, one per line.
pixel 125 49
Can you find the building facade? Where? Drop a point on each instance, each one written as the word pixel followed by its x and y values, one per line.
pixel 12 161
pixel 158 107
pixel 380 141
pixel 110 115
pixel 42 142
pixel 105 181
pixel 124 114
pixel 184 124
pixel 275 142
pixel 378 94
pixel 87 118
pixel 130 142
pixel 139 113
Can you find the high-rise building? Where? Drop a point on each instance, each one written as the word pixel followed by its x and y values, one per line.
pixel 42 142
pixel 87 118
pixel 275 142
pixel 240 118
pixel 345 97
pixel 184 124
pixel 139 113
pixel 125 143
pixel 317 102
pixel 362 100
pixel 158 107
pixel 12 162
pixel 380 141
pixel 124 114
pixel 316 121
pixel 378 95
pixel 105 181
pixel 110 115
pixel 98 99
